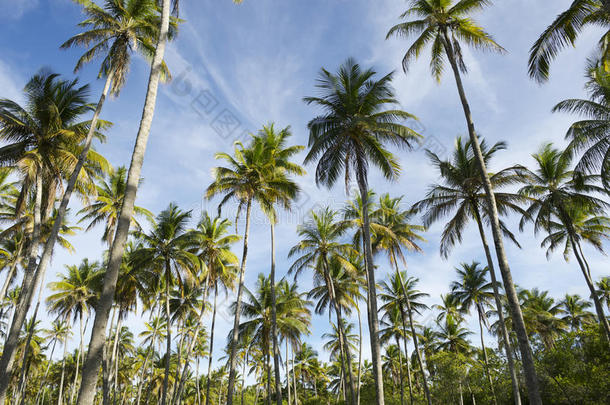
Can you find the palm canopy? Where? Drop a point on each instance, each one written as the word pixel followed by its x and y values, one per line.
pixel 44 136
pixel 472 289
pixel 591 135
pixel 564 31
pixel 555 194
pixel 394 298
pixel 355 126
pixel 107 203
pixel 442 25
pixel 461 192
pixel 115 30
pixel 575 310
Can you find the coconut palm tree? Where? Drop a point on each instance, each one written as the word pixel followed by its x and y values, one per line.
pixel 351 134
pixel 542 315
pixel 279 156
pixel 42 140
pixel 155 330
pixel 566 208
pixel 603 290
pixel 471 289
pixel 320 249
pixel 564 31
pixel 446 25
pixel 73 296
pixel 393 329
pixel 248 178
pixel 461 193
pixel 400 294
pixel 167 250
pixel 106 205
pixel 576 311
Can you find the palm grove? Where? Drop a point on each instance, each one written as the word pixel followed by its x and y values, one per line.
pixel 172 268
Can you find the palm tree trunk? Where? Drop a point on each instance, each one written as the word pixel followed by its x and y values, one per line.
pixel 274 334
pixel 168 347
pixel 114 360
pixel 207 384
pixel 46 372
pixel 94 355
pixel 487 369
pixel 63 373
pixel 511 293
pixel 143 374
pixel 197 381
pixel 294 378
pixel 598 306
pixel 28 288
pixel 359 355
pixel 106 369
pixel 288 376
pixel 413 333
pixel 404 337
pixel 10 275
pixel 400 376
pixel 461 393
pixel 78 360
pixel 268 367
pixel 235 332
pixel 504 332
pixel 243 377
pixel 372 292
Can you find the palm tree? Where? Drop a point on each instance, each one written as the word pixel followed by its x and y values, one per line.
pixel 155 329
pixel 541 314
pixel 394 329
pixel 96 343
pixel 74 295
pixel 603 290
pixel 351 133
pixel 248 179
pixel 400 294
pixel 446 24
pixel 473 290
pixel 319 249
pixel 565 208
pixel 564 31
pixel 107 205
pixel 453 338
pixel 461 192
pixel 576 311
pixel 41 140
pixel 166 250
pixel 278 157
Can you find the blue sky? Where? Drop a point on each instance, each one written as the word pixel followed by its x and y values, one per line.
pixel 252 64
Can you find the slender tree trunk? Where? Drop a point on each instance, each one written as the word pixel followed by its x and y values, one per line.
pixel 207 384
pixel 404 337
pixel 197 381
pixel 359 355
pixel 11 273
pixel 63 373
pixel 413 333
pixel 585 272
pixel 372 292
pixel 28 288
pixel 78 361
pixel 149 351
pixel 400 376
pixel 288 376
pixel 487 369
pixel 274 334
pixel 238 304
pixel 268 367
pixel 504 332
pixel 294 379
pixel 46 372
pixel 94 355
pixel 114 360
pixel 106 369
pixel 243 376
pixel 461 391
pixel 168 342
pixel 511 293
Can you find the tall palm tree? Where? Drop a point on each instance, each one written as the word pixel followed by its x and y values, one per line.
pixel 320 248
pixel 400 294
pixel 576 311
pixel 590 135
pixel 248 178
pixel 167 250
pixel 446 25
pixel 564 31
pixel 279 156
pixel 562 206
pixel 472 289
pixel 164 32
pixel 106 205
pixel 155 330
pixel 351 134
pixel 41 139
pixel 73 296
pixel 542 315
pixel 603 290
pixel 461 192
pixel 394 330
pixel 59 332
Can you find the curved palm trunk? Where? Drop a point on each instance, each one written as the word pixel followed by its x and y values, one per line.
pixel 372 292
pixel 404 337
pixel 28 288
pixel 207 384
pixel 485 358
pixel 94 355
pixel 238 304
pixel 504 332
pixel 11 273
pixel 413 333
pixel 168 343
pixel 359 355
pixel 511 293
pixel 586 273
pixel 276 348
